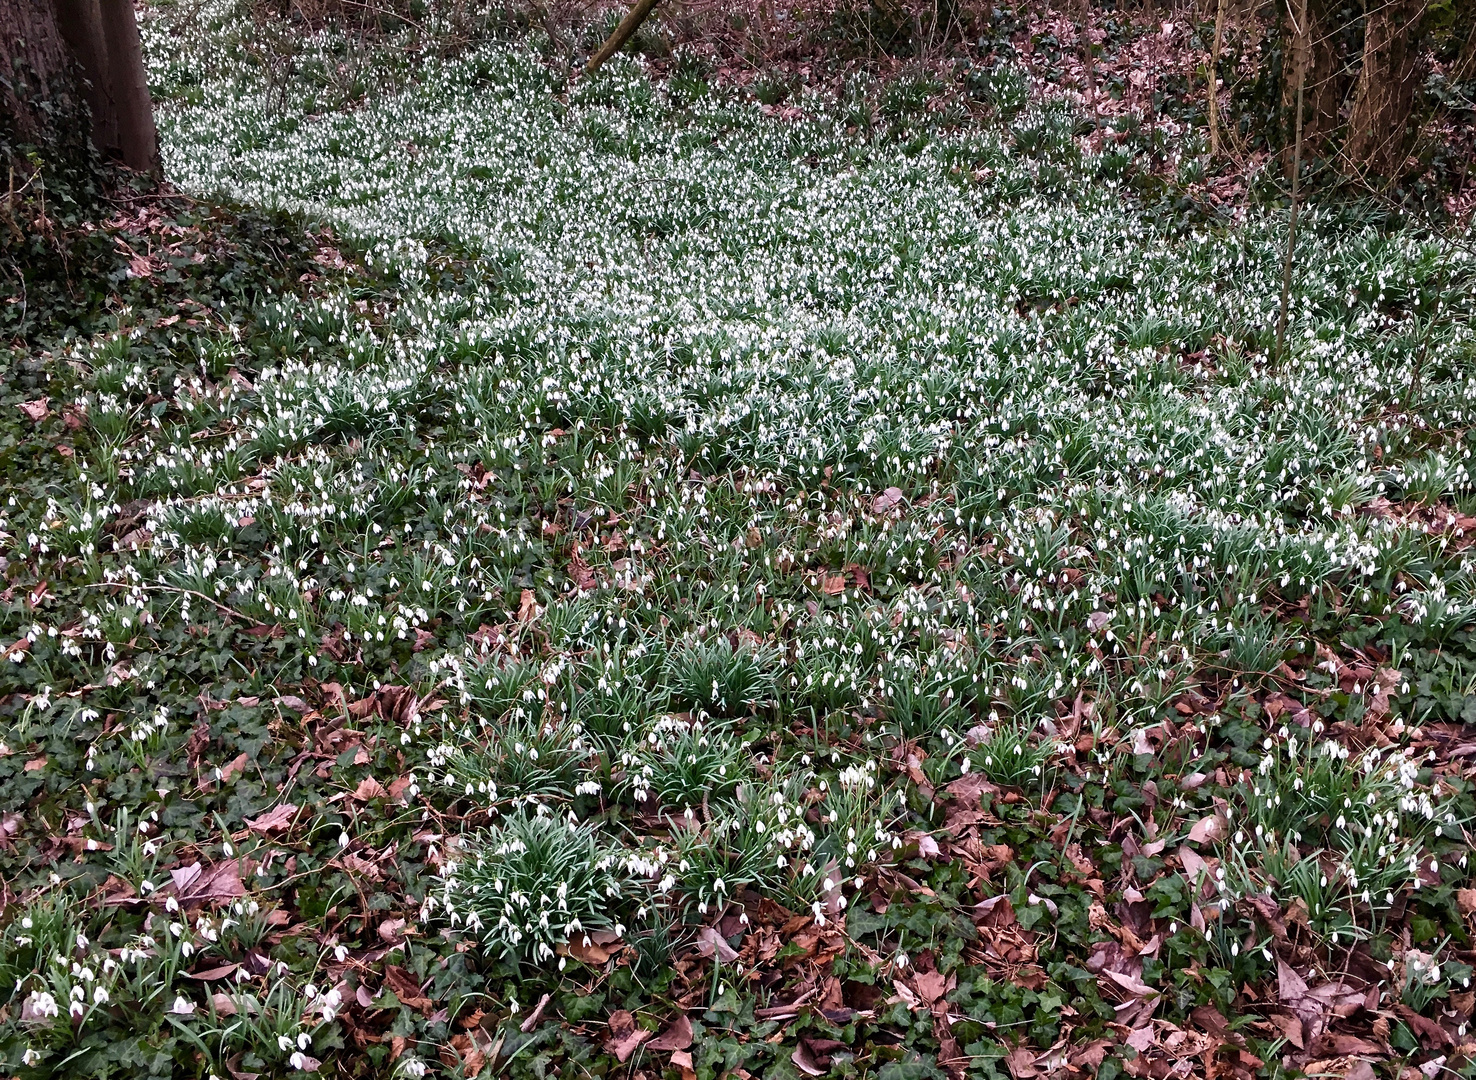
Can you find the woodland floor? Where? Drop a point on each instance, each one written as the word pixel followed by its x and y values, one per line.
pixel 633 579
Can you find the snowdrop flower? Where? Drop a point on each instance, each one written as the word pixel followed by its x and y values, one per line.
pixel 42 1004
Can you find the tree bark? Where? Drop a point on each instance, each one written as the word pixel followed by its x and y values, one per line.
pixel 1378 129
pixel 1312 62
pixel 39 96
pixel 1465 65
pixel 1291 235
pixel 74 71
pixel 623 33
pixel 80 22
pixel 1214 78
pixel 1088 67
pixel 129 79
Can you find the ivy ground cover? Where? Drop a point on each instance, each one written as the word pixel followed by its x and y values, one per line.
pixel 615 579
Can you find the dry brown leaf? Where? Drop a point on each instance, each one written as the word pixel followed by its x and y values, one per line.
pixel 710 941
pixel 886 500
pixel 1196 870
pixel 527 607
pixel 580 572
pixel 536 1015
pixel 806 1061
pixel 1131 983
pixel 369 788
pixel 906 993
pixel 465 1052
pixel 1021 1063
pixel 233 768
pixel 1291 1029
pixel 1210 829
pixel 278 817
pixel 625 1035
pixel 930 986
pixel 1090 1056
pixel 201 884
pixel 1290 987
pixel 406 989
pixel 675 1036
pixel 591 952
pixel 211 974
pixel 1431 1034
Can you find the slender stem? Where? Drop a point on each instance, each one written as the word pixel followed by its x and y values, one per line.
pixel 222 608
pixel 1214 70
pixel 1291 238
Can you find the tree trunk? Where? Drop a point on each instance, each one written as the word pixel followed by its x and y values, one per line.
pixel 1465 65
pixel 623 33
pixel 1214 78
pixel 75 70
pixel 1291 234
pixel 1378 130
pixel 1088 68
pixel 40 102
pixel 129 79
pixel 80 22
pixel 1312 62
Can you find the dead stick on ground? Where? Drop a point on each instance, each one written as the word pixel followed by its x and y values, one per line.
pixel 1291 239
pixel 628 26
pixel 1214 89
pixel 222 608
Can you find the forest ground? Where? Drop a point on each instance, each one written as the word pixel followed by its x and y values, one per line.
pixel 677 575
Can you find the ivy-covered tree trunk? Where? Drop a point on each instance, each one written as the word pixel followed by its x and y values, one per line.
pixel 41 104
pixel 75 71
pixel 1378 129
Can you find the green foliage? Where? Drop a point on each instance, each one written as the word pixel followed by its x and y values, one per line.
pixel 719 678
pixel 534 882
pixel 649 504
pixel 683 765
pixel 1013 755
